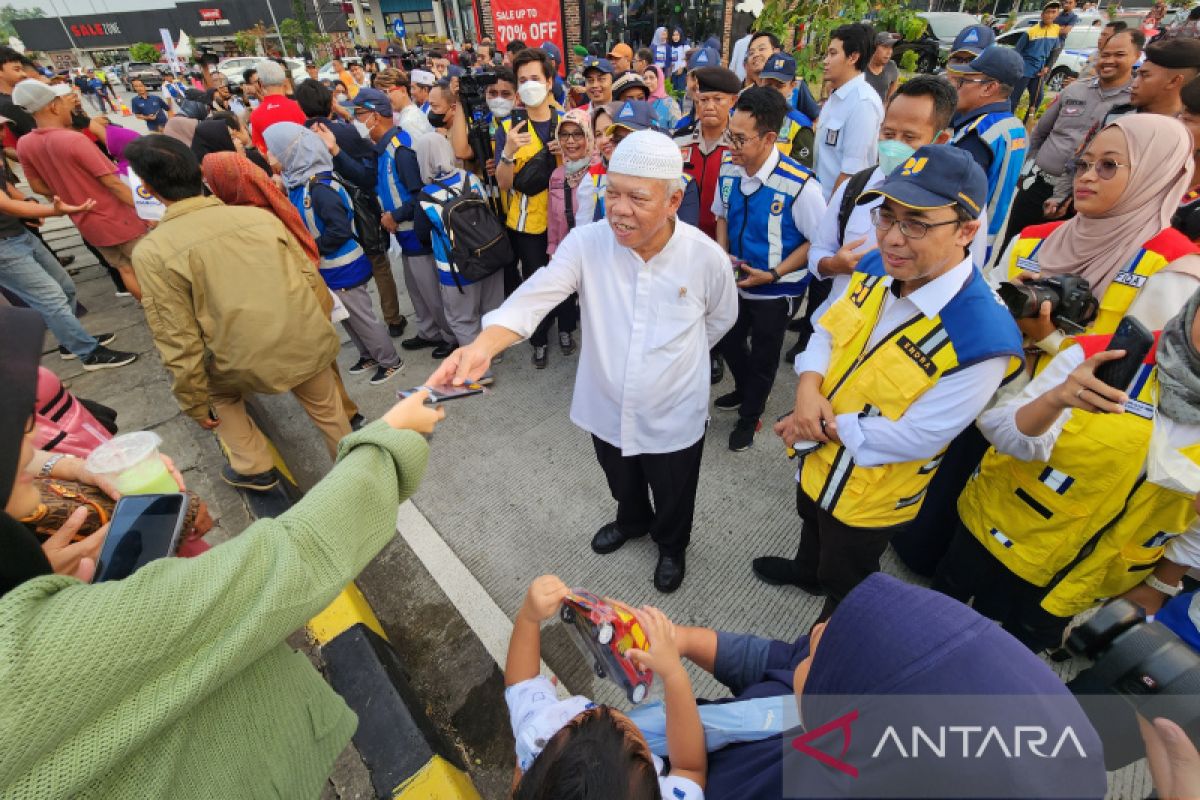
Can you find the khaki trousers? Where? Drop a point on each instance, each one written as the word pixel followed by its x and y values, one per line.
pixel 248 451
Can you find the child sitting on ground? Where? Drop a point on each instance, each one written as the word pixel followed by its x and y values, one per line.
pixel 574 749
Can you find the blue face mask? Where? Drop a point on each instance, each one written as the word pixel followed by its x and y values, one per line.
pixel 893 153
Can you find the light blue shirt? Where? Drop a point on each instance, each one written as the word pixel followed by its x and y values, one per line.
pixel 848 132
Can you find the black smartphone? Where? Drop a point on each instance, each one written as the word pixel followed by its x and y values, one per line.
pixel 445 392
pixel 1136 340
pixel 144 527
pixel 517 116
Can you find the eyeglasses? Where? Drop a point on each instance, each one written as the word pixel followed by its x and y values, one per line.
pixel 1106 168
pixel 957 83
pixel 909 228
pixel 570 135
pixel 737 141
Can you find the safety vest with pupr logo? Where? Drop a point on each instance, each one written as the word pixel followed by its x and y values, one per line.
pixel 886 379
pixel 1086 524
pixel 393 193
pixel 1005 136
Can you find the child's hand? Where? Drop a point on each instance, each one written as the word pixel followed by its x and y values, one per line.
pixel 544 597
pixel 663 653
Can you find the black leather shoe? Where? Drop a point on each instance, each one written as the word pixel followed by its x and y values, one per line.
pixel 610 538
pixel 397 330
pixel 444 349
pixel 717 367
pixel 669 572
pixel 784 572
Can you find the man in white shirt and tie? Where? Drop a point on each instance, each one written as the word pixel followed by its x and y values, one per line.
pixel 655 295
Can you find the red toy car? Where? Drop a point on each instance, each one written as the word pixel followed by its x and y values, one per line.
pixel 608 633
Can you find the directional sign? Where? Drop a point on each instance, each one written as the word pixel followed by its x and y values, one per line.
pixel 398 27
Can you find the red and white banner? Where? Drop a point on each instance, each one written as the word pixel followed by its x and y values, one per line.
pixel 530 21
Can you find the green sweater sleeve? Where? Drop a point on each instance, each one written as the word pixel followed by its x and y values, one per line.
pixel 113 660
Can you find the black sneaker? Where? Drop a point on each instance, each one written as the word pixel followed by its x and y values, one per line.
pixel 566 343
pixel 384 374
pixel 102 338
pixel 66 261
pixel 716 370
pixel 357 422
pixel 444 349
pixel 262 482
pixel 397 330
pixel 419 343
pixel 362 365
pixel 103 358
pixel 539 357
pixel 729 402
pixel 742 436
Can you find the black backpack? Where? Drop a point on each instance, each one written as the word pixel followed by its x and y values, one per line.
pixel 368 230
pixel 479 244
pixel 855 185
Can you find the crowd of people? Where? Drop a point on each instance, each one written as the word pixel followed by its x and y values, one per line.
pixel 961 288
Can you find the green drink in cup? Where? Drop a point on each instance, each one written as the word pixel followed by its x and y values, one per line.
pixel 131 462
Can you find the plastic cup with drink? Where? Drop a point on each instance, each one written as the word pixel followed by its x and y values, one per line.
pixel 131 462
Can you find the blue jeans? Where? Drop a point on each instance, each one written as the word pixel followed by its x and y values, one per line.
pixel 32 273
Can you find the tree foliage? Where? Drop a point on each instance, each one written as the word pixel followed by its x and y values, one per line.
pixel 144 51
pixel 8 13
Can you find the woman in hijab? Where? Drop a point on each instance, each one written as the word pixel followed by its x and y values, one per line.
pixel 590 192
pixel 464 301
pixel 886 649
pixel 225 133
pixel 178 670
pixel 666 110
pixel 661 48
pixel 1087 491
pixel 328 214
pixel 677 65
pixel 577 143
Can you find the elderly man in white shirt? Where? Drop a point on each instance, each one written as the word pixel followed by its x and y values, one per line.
pixel 655 296
pixel 849 123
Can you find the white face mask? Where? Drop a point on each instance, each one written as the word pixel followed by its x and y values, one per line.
pixel 499 106
pixel 533 93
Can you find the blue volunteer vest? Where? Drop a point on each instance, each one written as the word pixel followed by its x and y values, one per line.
pixel 760 225
pixel 441 240
pixel 392 193
pixel 1005 136
pixel 348 266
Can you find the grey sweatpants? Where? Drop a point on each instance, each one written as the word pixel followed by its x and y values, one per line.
pixel 465 308
pixel 421 281
pixel 369 335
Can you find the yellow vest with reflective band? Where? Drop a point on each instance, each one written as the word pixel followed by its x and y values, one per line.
pixel 1085 524
pixel 888 378
pixel 527 213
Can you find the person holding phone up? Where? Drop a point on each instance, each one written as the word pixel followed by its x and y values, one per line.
pixel 1088 490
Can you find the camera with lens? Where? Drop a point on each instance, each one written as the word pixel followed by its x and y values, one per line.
pixel 1072 304
pixel 206 56
pixel 472 87
pixel 1144 662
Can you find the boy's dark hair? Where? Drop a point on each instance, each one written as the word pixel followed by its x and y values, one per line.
pixel 645 54
pixel 530 54
pixel 314 98
pixel 432 54
pixel 1117 25
pixel 937 89
pixel 857 39
pixel 775 45
pixel 515 46
pixel 170 166
pixel 1189 95
pixel 229 118
pixel 766 105
pixel 1136 36
pixel 592 758
pixel 248 74
pixel 8 56
pixel 505 74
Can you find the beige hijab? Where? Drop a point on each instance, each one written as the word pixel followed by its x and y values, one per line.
pixel 1096 248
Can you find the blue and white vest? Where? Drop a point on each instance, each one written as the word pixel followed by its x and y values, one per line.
pixel 392 193
pixel 441 240
pixel 348 266
pixel 1005 135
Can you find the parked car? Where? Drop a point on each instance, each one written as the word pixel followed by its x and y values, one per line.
pixel 233 68
pixel 327 73
pixel 142 71
pixel 933 46
pixel 1081 42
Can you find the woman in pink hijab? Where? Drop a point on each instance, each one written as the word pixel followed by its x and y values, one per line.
pixel 1128 183
pixel 666 110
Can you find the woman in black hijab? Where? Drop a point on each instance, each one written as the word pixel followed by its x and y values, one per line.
pixel 218 135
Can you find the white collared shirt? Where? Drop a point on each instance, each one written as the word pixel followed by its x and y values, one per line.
pixel 643 378
pixel 938 415
pixel 847 132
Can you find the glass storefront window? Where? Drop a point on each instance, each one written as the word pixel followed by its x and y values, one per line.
pixel 634 21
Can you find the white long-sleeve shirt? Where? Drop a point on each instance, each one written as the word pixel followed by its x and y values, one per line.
pixel 999 425
pixel 848 132
pixel 643 378
pixel 938 415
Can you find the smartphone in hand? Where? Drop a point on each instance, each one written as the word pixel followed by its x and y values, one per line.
pixel 444 392
pixel 1136 340
pixel 144 527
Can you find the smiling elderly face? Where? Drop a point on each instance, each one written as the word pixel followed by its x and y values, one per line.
pixel 639 208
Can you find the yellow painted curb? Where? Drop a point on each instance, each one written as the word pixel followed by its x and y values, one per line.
pixel 348 608
pixel 437 780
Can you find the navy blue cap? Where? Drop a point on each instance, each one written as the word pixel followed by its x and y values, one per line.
pixel 936 176
pixel 372 100
pixel 1000 63
pixel 704 57
pixel 779 66
pixel 552 50
pixel 602 64
pixel 973 39
pixel 636 115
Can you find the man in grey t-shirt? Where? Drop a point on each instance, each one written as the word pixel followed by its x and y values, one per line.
pixel 881 72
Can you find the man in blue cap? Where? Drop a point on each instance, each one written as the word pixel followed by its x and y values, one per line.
pixel 985 127
pixel 598 77
pixel 969 43
pixel 559 90
pixel 901 363
pixel 796 137
pixel 1036 44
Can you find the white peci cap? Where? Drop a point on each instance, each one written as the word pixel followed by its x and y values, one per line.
pixel 647 154
pixel 34 95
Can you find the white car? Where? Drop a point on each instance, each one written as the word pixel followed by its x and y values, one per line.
pixel 1080 44
pixel 233 68
pixel 327 73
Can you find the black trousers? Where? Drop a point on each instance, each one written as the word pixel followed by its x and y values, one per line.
pixel 671 477
pixel 924 541
pixel 751 349
pixel 970 573
pixel 835 555
pixel 1027 206
pixel 818 293
pixel 531 252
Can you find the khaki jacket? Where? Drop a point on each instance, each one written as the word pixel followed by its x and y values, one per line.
pixel 230 298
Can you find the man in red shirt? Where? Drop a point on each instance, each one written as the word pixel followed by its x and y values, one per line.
pixel 275 105
pixel 59 160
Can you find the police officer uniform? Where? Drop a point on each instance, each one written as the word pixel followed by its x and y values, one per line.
pixel 701 158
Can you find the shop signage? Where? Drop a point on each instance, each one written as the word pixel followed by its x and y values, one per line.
pixel 96 29
pixel 530 21
pixel 211 17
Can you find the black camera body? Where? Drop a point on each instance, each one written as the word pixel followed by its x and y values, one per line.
pixel 1144 662
pixel 206 56
pixel 1072 304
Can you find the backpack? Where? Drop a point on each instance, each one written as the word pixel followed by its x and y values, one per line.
pixel 479 243
pixel 855 185
pixel 368 230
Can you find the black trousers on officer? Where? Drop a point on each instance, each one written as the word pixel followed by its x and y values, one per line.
pixel 836 555
pixel 671 477
pixel 1027 206
pixel 755 362
pixel 970 573
pixel 531 252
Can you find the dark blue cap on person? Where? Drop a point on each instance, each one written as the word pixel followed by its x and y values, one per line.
pixel 551 50
pixel 780 66
pixel 636 115
pixel 371 100
pixel 1000 63
pixel 936 176
pixel 594 62
pixel 704 57
pixel 973 39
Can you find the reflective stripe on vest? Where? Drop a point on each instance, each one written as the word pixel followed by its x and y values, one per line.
pixel 350 251
pixel 392 193
pixel 1005 136
pixel 527 214
pixel 1087 511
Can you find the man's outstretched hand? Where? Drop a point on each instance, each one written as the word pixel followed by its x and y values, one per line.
pixel 463 365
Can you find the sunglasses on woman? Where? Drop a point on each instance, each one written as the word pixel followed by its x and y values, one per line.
pixel 1106 168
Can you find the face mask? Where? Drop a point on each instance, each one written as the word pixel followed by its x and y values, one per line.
pixel 533 93
pixel 436 120
pixel 893 153
pixel 577 164
pixel 340 97
pixel 499 106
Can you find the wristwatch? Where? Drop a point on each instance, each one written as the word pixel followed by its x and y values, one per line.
pixel 1162 586
pixel 48 465
pixel 774 275
pixel 506 159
